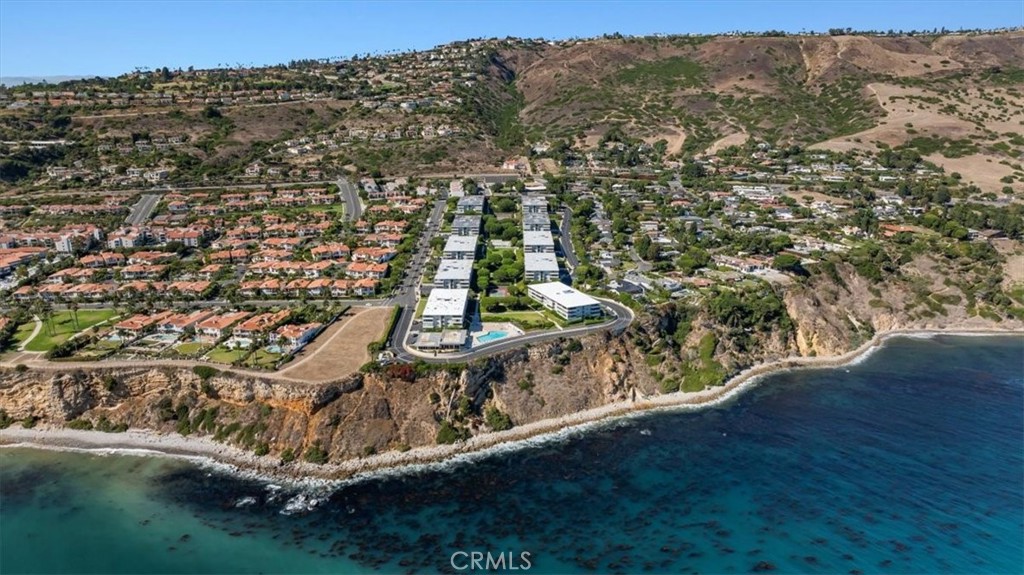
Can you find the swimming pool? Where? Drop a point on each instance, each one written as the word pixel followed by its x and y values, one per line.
pixel 491 336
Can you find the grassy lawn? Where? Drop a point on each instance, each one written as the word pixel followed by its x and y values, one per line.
pixel 99 349
pixel 263 358
pixel 21 334
pixel 419 307
pixel 64 327
pixel 525 320
pixel 221 354
pixel 190 348
pixel 510 315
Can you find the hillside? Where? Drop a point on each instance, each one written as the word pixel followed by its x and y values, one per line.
pixel 839 92
pixel 469 106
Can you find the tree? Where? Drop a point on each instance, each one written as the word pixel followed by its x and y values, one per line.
pixel 642 245
pixel 45 311
pixel 693 171
pixel 789 263
pixel 652 253
pixel 73 306
pixel 497 420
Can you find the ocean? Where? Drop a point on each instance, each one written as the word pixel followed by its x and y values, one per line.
pixel 911 461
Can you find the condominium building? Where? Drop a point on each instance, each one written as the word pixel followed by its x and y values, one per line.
pixel 569 303
pixel 446 308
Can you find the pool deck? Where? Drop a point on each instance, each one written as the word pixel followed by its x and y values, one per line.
pixel 489 327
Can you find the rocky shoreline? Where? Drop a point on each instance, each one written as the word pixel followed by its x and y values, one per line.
pixel 235 460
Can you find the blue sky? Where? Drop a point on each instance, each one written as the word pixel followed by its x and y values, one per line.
pixel 40 38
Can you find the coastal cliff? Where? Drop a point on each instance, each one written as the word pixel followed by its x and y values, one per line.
pixel 669 348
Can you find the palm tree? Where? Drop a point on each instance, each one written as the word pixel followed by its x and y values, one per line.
pixel 73 306
pixel 46 311
pixel 258 342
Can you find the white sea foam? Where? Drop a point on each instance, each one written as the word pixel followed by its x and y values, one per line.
pixel 301 503
pixel 450 458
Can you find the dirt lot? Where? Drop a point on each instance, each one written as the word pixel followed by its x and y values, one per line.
pixel 341 349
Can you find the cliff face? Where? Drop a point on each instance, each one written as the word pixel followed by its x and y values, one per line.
pixel 368 413
pixel 835 315
pixel 401 407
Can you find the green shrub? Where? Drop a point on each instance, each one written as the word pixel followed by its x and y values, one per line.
pixel 315 454
pixel 225 431
pixel 5 420
pixel 184 426
pixel 83 424
pixel 205 372
pixel 449 433
pixel 497 420
pixel 261 449
pixel 288 455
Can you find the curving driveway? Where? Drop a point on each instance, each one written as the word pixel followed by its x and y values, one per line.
pixel 623 317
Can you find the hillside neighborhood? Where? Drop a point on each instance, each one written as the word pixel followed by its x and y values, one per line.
pixel 121 243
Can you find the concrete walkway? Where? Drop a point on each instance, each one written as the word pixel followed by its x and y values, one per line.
pixel 31 336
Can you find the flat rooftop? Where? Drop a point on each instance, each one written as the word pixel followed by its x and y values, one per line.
pixel 464 221
pixel 454 270
pixel 532 238
pixel 471 201
pixel 541 262
pixel 535 201
pixel 536 218
pixel 446 302
pixel 563 295
pixel 446 338
pixel 461 243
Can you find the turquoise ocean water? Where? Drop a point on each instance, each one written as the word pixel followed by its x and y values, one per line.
pixel 911 461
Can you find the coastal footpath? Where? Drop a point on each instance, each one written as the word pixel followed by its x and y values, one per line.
pixel 416 414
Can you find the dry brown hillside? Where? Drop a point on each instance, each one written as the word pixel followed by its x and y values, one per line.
pixel 841 92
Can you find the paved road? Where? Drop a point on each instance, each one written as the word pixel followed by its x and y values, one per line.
pixel 641 265
pixel 406 295
pixel 407 298
pixel 350 195
pixel 142 210
pixel 567 249
pixel 623 317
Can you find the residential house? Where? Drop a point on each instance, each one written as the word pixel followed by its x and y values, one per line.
pixel 179 322
pixel 217 326
pixel 292 336
pixel 261 323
